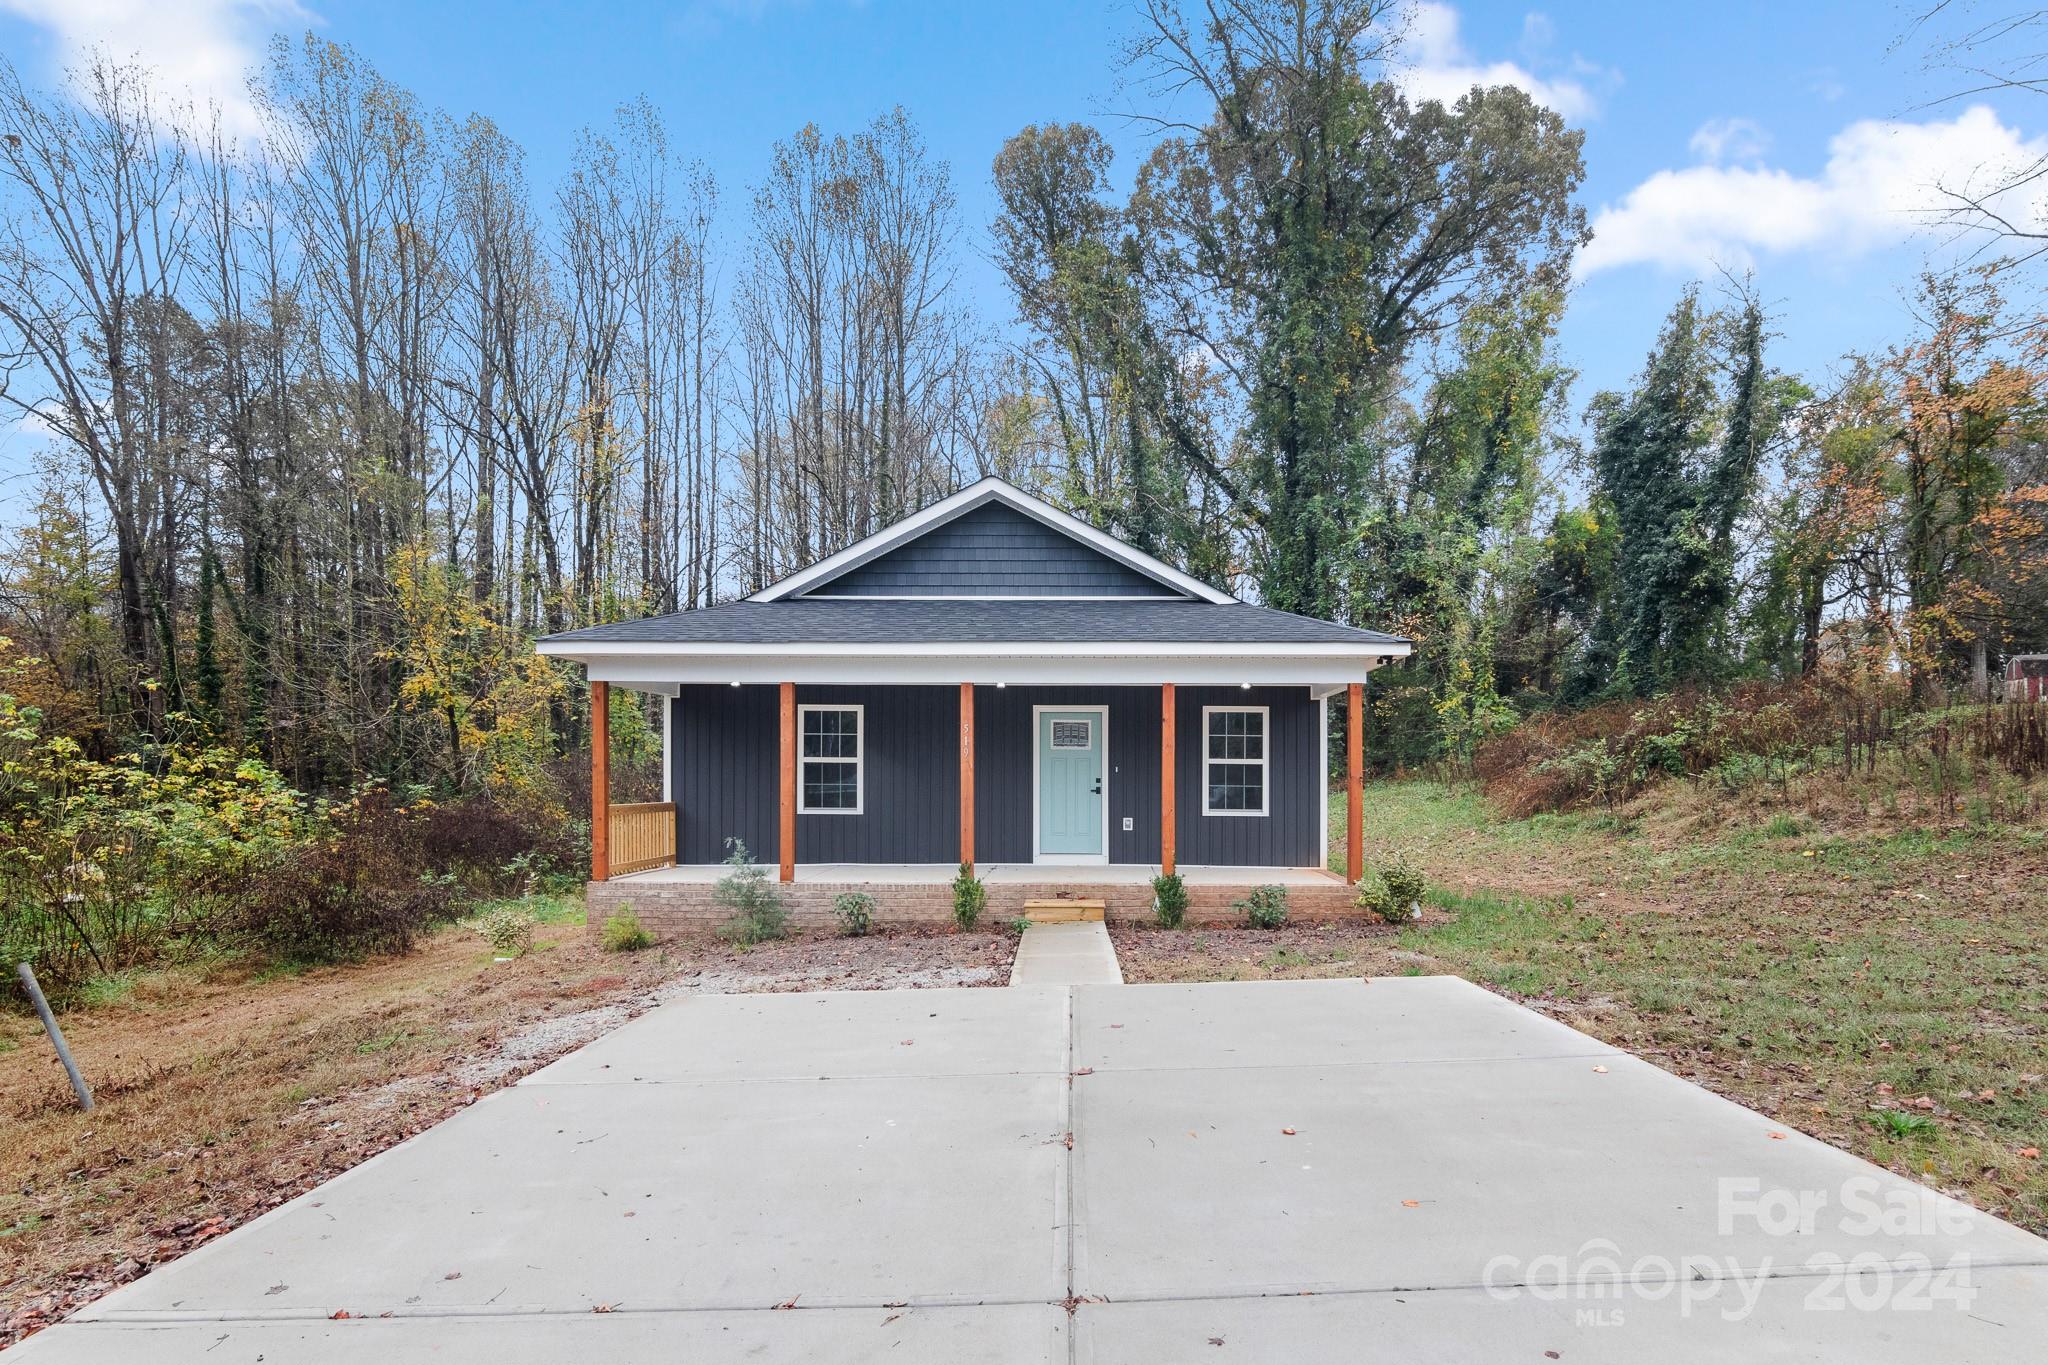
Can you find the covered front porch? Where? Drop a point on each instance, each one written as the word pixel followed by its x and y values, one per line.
pixel 899 783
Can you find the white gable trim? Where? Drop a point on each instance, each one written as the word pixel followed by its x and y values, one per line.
pixel 974 495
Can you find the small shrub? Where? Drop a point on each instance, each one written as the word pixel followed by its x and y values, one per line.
pixel 623 932
pixel 1265 907
pixel 970 898
pixel 1019 925
pixel 758 911
pixel 1396 889
pixel 1169 899
pixel 1403 876
pixel 509 933
pixel 856 911
pixel 1784 827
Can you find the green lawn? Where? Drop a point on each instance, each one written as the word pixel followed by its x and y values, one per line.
pixel 1846 983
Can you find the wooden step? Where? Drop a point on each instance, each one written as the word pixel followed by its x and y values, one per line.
pixel 1062 911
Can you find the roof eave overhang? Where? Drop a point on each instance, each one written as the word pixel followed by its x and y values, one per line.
pixel 1023 663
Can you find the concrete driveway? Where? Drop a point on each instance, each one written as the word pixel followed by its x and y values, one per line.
pixel 1314 1172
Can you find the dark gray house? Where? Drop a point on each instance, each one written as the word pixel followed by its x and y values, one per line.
pixel 990 681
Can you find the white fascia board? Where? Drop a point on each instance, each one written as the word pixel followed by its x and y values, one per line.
pixel 797 651
pixel 988 489
pixel 953 669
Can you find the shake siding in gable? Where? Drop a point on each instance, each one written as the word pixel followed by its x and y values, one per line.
pixel 991 551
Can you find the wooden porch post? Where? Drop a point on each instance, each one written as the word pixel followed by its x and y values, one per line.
pixel 1168 814
pixel 967 775
pixel 600 781
pixel 1354 783
pixel 787 830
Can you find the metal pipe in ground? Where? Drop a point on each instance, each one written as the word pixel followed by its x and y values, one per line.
pixel 35 993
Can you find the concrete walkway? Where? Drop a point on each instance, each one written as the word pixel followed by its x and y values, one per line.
pixel 1316 1172
pixel 1077 953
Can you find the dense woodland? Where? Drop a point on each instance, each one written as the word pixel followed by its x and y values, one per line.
pixel 334 421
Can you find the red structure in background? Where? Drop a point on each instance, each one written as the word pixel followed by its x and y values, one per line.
pixel 2026 677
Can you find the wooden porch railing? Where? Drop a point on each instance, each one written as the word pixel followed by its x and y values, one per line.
pixel 643 836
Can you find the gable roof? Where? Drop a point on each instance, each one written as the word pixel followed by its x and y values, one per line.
pixel 999 542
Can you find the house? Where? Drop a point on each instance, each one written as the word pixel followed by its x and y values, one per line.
pixel 2026 677
pixel 990 682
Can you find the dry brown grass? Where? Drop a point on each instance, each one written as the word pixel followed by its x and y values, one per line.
pixel 224 1093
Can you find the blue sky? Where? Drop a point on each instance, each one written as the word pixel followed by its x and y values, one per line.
pixel 1783 138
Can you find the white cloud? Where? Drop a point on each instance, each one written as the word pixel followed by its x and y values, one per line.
pixel 1720 140
pixel 1882 184
pixel 1434 64
pixel 199 49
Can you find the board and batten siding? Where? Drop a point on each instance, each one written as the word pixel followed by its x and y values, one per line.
pixel 725 775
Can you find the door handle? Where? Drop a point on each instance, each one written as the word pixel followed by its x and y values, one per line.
pixel 1097 789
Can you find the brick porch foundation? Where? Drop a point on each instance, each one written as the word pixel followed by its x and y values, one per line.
pixel 686 909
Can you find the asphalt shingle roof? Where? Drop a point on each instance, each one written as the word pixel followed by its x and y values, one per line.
pixel 857 621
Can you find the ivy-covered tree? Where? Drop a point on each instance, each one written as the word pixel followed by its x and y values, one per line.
pixel 1302 240
pixel 1444 540
pixel 1677 459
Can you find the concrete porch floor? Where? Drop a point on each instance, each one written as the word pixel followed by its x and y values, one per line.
pixel 1000 874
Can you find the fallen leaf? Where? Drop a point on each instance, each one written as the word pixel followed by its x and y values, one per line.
pixel 789 1302
pixel 1085 1071
pixel 908 1042
pixel 1215 1341
pixel 1600 1070
pixel 1411 1203
pixel 2031 1153
pixel 1775 1137
pixel 601 1308
pixel 1550 1355
pixel 340 1315
pixel 1288 1131
pixel 452 1275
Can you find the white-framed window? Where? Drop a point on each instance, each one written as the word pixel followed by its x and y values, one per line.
pixel 1235 764
pixel 830 748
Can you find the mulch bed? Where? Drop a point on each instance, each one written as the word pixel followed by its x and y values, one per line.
pixel 1293 951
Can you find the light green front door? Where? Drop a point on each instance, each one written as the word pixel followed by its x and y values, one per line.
pixel 1071 769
